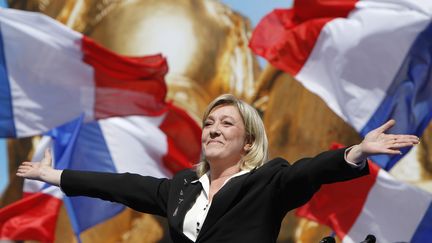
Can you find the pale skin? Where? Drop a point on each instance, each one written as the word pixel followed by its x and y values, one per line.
pixel 224 144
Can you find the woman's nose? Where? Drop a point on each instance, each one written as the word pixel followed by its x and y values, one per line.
pixel 214 131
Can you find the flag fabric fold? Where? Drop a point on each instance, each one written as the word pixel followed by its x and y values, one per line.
pixel 50 74
pixel 377 204
pixel 35 216
pixel 156 146
pixel 369 60
pixel 32 218
pixel 135 144
pixel 286 37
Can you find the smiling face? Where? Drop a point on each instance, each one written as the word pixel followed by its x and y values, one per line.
pixel 223 136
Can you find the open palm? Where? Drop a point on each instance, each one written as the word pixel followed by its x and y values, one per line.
pixel 378 142
pixel 34 170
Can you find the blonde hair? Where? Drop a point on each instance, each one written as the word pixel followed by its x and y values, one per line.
pixel 254 130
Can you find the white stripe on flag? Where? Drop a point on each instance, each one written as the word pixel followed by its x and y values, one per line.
pixel 386 210
pixel 331 70
pixel 25 34
pixel 136 144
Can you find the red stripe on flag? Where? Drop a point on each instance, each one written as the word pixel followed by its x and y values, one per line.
pixel 286 37
pixel 31 218
pixel 126 85
pixel 184 139
pixel 338 205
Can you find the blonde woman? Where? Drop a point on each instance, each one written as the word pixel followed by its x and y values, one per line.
pixel 235 194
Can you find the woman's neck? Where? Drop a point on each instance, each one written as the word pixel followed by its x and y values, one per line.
pixel 218 176
pixel 223 173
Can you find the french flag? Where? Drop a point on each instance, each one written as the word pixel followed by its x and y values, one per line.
pixel 150 146
pixel 155 146
pixel 50 74
pixel 376 204
pixel 369 60
pixel 34 217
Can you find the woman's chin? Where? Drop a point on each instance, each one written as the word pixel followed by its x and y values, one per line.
pixel 213 157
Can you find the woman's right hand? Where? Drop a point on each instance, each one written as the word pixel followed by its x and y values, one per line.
pixel 41 171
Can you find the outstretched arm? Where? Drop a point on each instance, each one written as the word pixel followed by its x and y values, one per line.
pixel 142 193
pixel 41 171
pixel 377 142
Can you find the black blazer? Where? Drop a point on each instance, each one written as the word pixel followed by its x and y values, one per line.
pixel 249 208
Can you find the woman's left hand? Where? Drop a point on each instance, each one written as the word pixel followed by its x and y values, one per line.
pixel 377 142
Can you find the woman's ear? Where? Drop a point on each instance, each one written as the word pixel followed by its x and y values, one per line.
pixel 248 143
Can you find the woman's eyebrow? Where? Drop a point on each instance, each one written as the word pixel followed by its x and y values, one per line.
pixel 228 116
pixel 211 117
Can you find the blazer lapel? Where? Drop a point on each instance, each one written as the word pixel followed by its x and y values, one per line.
pixel 186 198
pixel 222 201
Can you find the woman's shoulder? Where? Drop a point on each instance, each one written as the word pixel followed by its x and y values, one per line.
pixel 188 174
pixel 276 162
pixel 272 165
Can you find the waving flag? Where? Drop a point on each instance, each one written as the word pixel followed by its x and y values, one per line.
pixel 35 216
pixel 369 60
pixel 137 144
pixel 50 74
pixel 156 146
pixel 375 204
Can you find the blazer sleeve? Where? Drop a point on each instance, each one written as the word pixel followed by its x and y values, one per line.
pixel 298 182
pixel 142 193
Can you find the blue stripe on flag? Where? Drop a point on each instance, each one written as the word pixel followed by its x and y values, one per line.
pixel 91 153
pixel 409 98
pixel 424 230
pixel 64 138
pixel 4 178
pixel 7 126
pixel 64 141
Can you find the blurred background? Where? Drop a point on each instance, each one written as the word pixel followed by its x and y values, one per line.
pixel 206 45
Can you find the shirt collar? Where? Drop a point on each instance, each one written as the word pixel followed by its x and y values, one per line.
pixel 205 180
pixel 207 176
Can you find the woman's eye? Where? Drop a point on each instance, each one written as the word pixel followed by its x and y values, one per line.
pixel 228 123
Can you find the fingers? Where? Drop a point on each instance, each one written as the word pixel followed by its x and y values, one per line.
pixel 24 168
pixel 47 160
pixel 26 163
pixel 392 151
pixel 402 140
pixel 386 126
pixel 401 145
